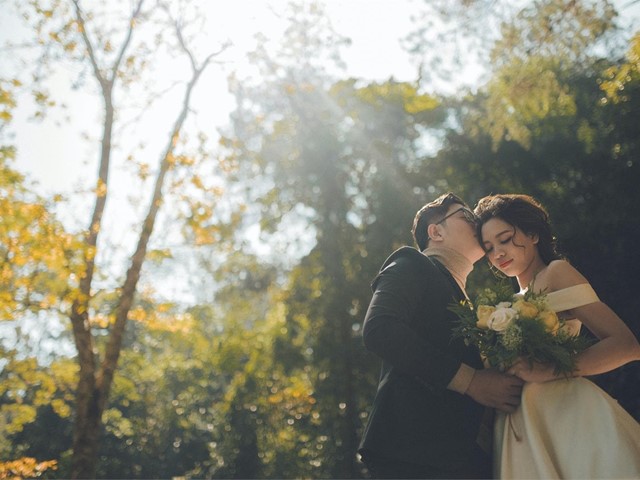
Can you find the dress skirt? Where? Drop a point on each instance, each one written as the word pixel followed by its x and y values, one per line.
pixel 567 429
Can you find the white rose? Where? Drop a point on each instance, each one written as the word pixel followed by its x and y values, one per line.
pixel 501 318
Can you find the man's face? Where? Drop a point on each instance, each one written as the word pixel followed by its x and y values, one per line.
pixel 458 232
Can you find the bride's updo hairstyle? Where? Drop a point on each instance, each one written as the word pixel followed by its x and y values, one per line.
pixel 523 212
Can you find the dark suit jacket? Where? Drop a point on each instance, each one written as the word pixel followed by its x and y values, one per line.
pixel 414 417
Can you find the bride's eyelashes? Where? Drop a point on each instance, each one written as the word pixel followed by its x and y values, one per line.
pixel 501 242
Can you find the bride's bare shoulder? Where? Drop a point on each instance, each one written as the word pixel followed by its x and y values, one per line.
pixel 561 274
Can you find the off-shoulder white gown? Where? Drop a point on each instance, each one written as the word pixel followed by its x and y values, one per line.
pixel 567 428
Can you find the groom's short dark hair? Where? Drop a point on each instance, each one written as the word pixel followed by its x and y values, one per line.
pixel 430 213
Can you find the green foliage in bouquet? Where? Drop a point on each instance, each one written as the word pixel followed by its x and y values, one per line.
pixel 506 326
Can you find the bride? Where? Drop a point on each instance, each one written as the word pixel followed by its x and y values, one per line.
pixel 564 428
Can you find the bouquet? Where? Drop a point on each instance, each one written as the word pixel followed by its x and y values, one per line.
pixel 505 326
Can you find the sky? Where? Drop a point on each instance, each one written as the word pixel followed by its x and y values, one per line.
pixel 50 152
pixel 60 153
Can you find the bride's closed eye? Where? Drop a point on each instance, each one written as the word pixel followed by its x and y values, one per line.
pixel 488 248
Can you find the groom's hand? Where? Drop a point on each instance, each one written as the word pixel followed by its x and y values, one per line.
pixel 492 388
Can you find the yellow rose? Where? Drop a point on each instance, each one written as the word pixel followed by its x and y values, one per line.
pixel 526 309
pixel 550 320
pixel 484 312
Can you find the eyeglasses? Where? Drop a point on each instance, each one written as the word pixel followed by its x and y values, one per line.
pixel 469 216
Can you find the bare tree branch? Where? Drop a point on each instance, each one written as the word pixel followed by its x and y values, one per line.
pixel 89 45
pixel 125 44
pixel 114 345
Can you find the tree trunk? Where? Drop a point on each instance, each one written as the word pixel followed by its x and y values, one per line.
pixel 334 235
pixel 349 423
pixel 87 432
pixel 95 384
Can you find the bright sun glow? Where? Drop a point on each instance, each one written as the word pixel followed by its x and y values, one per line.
pixel 52 154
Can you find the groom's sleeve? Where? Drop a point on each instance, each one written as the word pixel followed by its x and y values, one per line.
pixel 462 379
pixel 387 331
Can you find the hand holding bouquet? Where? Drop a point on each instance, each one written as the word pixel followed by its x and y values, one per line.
pixel 507 327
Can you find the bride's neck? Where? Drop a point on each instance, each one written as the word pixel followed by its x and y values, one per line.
pixel 528 276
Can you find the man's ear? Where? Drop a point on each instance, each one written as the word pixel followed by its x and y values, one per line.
pixel 535 238
pixel 433 231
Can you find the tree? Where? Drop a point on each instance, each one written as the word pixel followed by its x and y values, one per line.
pixel 452 40
pixel 337 157
pixel 582 167
pixel 538 53
pixel 461 44
pixel 115 60
pixel 264 421
pixel 37 259
pixel 619 76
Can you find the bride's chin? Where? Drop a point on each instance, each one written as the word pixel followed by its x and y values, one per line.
pixel 507 274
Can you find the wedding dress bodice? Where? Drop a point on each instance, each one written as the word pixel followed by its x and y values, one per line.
pixel 572 297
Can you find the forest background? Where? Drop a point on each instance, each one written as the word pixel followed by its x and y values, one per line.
pixel 190 302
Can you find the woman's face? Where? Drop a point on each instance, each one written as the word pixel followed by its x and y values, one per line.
pixel 509 249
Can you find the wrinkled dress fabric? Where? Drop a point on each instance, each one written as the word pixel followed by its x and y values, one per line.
pixel 570 428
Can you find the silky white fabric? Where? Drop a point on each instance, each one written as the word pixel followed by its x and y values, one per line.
pixel 567 429
pixel 572 297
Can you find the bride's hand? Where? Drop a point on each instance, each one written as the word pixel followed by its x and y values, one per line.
pixel 532 372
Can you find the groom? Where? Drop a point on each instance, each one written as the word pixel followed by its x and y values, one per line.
pixel 427 416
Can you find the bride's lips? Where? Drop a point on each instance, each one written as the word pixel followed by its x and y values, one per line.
pixel 505 264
